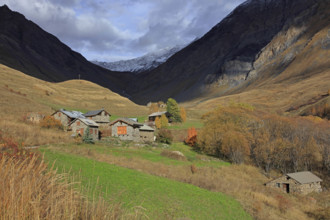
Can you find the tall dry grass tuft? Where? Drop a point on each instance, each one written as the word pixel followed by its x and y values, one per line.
pixel 30 191
pixel 32 134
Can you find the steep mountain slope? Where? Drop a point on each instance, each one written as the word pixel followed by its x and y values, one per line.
pixel 259 40
pixel 26 47
pixel 21 93
pixel 147 62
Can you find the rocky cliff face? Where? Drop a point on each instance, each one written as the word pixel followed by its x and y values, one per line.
pixel 236 50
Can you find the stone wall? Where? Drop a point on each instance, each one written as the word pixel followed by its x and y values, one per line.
pixel 103 117
pixel 65 120
pixel 147 136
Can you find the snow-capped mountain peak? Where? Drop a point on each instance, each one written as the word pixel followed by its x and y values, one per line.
pixel 147 62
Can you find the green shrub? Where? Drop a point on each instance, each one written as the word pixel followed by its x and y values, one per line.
pixel 164 136
pixel 87 138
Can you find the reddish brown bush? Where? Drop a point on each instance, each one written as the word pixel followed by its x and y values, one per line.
pixel 51 122
pixel 191 139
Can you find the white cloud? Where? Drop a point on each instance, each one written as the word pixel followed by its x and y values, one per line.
pixel 123 28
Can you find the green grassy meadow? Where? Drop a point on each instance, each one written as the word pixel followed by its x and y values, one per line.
pixel 160 198
pixel 185 125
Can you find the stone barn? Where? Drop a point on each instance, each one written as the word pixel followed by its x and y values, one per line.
pixel 66 117
pixel 80 125
pixel 301 182
pixel 100 116
pixel 126 129
pixel 147 133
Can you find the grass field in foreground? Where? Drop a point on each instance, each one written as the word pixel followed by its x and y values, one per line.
pixel 160 197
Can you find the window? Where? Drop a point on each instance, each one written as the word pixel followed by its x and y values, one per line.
pixel 59 114
pixel 278 185
pixel 95 131
pixel 121 130
pixel 91 130
pixel 78 123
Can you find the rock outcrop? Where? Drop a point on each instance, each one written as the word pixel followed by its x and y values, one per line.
pixel 236 50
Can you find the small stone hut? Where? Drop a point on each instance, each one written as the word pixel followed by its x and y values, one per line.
pixel 147 133
pixel 66 117
pixel 100 116
pixel 301 182
pixel 80 125
pixel 126 129
pixel 152 117
pixel 35 117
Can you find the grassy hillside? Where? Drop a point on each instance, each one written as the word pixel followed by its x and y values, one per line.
pixel 21 93
pixel 160 198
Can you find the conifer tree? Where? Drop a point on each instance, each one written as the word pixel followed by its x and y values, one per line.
pixel 173 109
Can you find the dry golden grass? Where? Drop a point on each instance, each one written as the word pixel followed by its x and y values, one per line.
pixel 31 134
pixel 29 191
pixel 21 93
pixel 243 182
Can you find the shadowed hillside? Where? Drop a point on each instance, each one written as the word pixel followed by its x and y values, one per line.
pixel 24 46
pixel 261 45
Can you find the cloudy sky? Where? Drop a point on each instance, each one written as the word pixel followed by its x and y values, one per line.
pixel 110 30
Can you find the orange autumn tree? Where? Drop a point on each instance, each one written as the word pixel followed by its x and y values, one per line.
pixel 158 123
pixel 183 114
pixel 191 139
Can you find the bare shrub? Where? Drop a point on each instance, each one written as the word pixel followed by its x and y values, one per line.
pixel 51 122
pixel 193 168
pixel 283 203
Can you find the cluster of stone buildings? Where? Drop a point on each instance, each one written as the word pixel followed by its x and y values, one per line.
pixel 98 121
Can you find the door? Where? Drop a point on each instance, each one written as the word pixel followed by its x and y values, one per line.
pixel 286 187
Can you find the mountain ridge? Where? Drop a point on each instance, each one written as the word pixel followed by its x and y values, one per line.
pixel 226 55
pixel 26 47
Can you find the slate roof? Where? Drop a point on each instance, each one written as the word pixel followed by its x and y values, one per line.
pixel 157 114
pixel 127 121
pixel 146 128
pixel 93 113
pixel 71 114
pixel 87 122
pixel 304 177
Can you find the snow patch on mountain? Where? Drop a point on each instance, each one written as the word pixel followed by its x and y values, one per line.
pixel 147 62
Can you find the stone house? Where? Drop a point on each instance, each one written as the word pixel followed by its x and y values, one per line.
pixel 100 116
pixel 127 129
pixel 66 117
pixel 301 182
pixel 152 117
pixel 80 125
